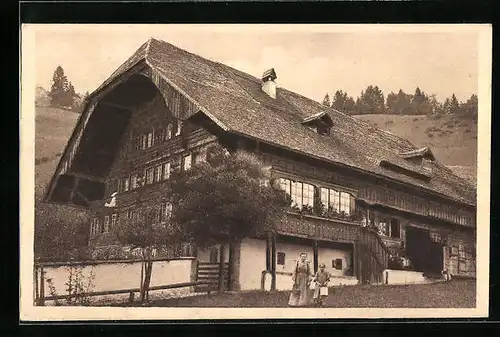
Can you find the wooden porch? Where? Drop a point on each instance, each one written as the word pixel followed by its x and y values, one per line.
pixel 369 253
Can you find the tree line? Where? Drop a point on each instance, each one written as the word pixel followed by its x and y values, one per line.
pixel 373 101
pixel 62 93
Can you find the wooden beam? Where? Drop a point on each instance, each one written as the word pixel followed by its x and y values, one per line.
pixel 86 177
pixel 221 267
pixel 268 252
pixel 115 105
pixel 273 261
pixel 315 255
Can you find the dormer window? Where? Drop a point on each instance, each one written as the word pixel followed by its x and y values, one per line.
pixel 422 158
pixel 321 123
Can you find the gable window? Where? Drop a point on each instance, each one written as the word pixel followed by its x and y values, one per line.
pixel 150 139
pixel 126 183
pixel 187 162
pixel 302 194
pixel 168 132
pixel 106 224
pixel 113 220
pixel 165 211
pixel 280 256
pixel 149 176
pixel 179 128
pixel 158 173
pixel 166 171
pixel 133 181
pixel 94 228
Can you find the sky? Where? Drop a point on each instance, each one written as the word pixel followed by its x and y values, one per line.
pixel 309 59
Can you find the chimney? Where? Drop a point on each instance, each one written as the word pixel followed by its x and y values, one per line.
pixel 268 84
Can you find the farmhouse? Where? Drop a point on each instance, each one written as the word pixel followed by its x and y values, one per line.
pixel 364 200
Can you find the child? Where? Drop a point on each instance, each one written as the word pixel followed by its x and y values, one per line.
pixel 321 279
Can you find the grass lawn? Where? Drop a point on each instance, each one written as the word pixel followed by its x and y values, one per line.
pixel 453 294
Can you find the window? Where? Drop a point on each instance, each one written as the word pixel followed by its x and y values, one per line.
pixel 126 183
pixel 345 203
pixel 337 264
pixel 113 220
pixel 461 251
pixel 94 228
pixel 383 228
pixel 150 141
pixel 302 194
pixel 395 228
pixel 129 214
pixel 165 211
pixel 331 199
pixel 133 181
pixel 149 176
pixel 187 162
pixel 454 250
pixel 280 256
pixel 168 132
pixel 106 224
pixel 144 142
pixel 158 173
pixel 166 171
pixel 179 128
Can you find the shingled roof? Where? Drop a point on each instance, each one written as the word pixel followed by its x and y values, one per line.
pixel 236 101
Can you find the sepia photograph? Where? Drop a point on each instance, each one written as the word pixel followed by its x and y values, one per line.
pixel 202 171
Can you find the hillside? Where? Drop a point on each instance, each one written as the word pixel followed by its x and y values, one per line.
pixel 452 140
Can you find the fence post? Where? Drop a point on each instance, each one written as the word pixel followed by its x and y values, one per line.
pixel 221 268
pixel 41 301
pixel 35 280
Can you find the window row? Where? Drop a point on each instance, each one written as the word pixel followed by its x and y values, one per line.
pixel 163 214
pixel 303 194
pixel 158 136
pixel 110 221
pixel 154 174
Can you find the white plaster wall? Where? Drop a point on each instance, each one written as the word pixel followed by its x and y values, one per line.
pixel 326 255
pixel 252 263
pixel 116 276
pixel 404 277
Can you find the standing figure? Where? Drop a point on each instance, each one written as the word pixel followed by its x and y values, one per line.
pixel 301 277
pixel 321 279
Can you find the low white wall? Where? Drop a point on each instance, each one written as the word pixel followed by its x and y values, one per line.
pixel 253 262
pixel 404 277
pixel 124 275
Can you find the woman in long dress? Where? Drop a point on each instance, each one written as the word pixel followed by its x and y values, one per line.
pixel 302 276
